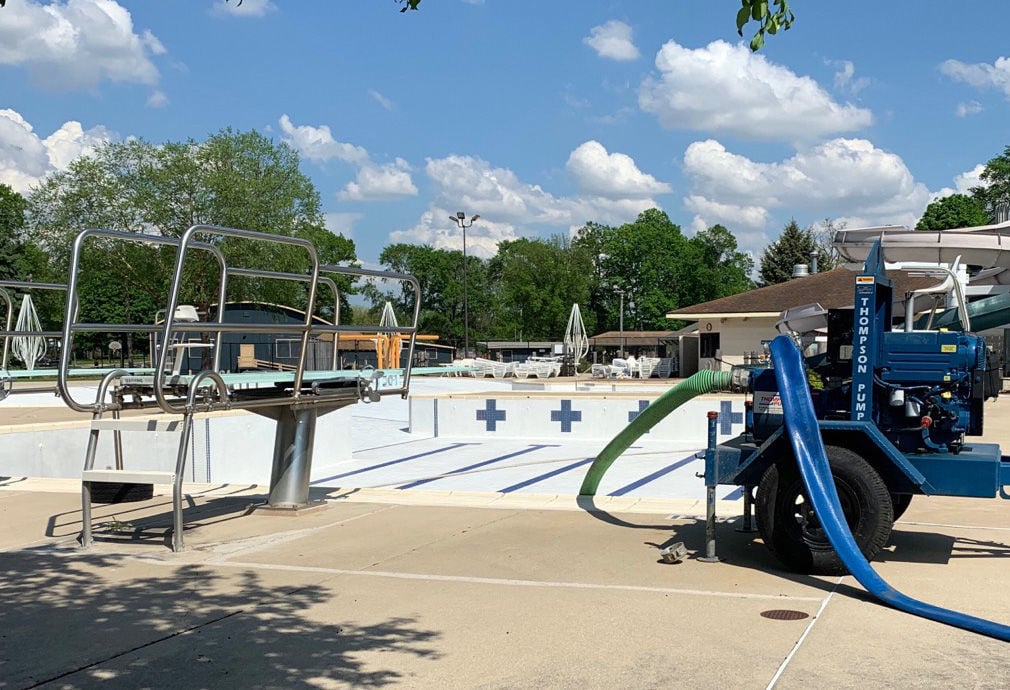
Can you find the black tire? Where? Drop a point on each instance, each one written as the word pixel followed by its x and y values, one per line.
pixel 900 502
pixel 789 526
pixel 118 492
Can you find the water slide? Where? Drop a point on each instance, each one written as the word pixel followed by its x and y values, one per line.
pixel 808 447
pixel 985 313
pixel 986 245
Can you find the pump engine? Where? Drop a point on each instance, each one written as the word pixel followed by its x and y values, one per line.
pixel 923 389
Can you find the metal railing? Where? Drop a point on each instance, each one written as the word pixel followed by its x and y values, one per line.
pixel 173 394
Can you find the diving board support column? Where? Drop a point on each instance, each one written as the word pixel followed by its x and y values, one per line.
pixel 292 464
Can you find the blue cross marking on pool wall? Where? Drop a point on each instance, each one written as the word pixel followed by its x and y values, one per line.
pixel 566 415
pixel 642 404
pixel 491 415
pixel 727 417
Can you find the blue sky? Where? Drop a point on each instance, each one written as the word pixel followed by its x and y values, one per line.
pixel 537 115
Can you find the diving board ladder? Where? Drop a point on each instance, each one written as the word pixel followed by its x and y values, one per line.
pixel 90 475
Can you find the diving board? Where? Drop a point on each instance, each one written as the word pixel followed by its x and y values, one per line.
pixel 73 373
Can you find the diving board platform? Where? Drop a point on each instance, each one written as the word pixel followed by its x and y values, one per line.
pixel 282 377
pixel 72 373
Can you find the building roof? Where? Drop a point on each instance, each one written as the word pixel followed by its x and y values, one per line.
pixel 831 289
pixel 521 344
pixel 631 338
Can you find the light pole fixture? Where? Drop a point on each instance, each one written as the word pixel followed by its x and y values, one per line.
pixel 460 220
pixel 620 320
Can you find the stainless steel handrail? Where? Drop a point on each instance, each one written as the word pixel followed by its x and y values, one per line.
pixel 173 302
pixel 170 327
pixel 408 330
pixel 72 303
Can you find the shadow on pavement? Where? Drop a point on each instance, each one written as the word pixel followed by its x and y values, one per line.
pixel 81 619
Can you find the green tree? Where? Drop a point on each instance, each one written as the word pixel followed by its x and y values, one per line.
pixel 794 246
pixel 650 261
pixel 234 179
pixel 954 211
pixel 719 268
pixel 995 193
pixel 333 249
pixel 592 239
pixel 22 259
pixel 536 281
pixel 438 273
pixel 12 222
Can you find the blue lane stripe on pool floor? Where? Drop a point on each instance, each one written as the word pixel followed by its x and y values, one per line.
pixel 477 465
pixel 547 475
pixel 655 475
pixel 388 463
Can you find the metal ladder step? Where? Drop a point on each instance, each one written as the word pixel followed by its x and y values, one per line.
pixel 128 476
pixel 168 425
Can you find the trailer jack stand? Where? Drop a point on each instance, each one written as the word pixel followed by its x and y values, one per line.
pixel 748 511
pixel 710 482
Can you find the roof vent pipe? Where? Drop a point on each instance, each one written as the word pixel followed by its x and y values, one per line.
pixel 800 271
pixel 813 261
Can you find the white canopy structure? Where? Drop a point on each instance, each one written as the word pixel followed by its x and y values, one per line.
pixel 28 348
pixel 576 340
pixel 388 318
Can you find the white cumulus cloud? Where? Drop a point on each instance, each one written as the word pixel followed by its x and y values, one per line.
pixel 968 108
pixel 318 144
pixel 849 180
pixel 508 206
pixel 77 44
pixel 963 183
pixel 340 223
pixel 25 158
pixel 727 88
pixel 612 40
pixel 846 79
pixel 981 75
pixel 377 182
pixel 374 181
pixel 157 99
pixel 611 175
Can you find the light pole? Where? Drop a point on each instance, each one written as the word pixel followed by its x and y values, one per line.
pixel 620 321
pixel 460 220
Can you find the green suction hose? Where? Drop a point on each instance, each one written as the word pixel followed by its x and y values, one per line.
pixel 697 384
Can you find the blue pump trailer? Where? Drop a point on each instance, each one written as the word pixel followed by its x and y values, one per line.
pixel 837 445
pixel 894 409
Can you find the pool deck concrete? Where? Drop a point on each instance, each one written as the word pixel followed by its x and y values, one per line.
pixel 420 590
pixel 457 589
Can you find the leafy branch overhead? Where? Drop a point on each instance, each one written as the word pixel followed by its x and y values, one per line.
pixel 769 22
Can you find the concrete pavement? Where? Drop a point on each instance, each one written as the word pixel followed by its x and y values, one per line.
pixel 422 588
pixel 413 589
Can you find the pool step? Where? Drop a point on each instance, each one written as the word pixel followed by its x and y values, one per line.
pixel 128 476
pixel 168 425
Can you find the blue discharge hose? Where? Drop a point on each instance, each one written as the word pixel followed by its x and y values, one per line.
pixel 804 434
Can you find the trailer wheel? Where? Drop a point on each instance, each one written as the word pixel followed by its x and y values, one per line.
pixel 790 528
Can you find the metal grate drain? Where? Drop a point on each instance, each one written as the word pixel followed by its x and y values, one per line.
pixel 784 615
